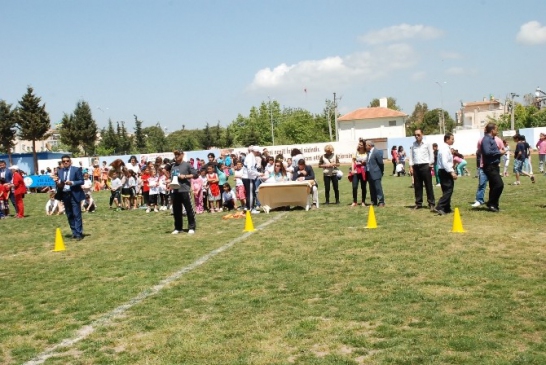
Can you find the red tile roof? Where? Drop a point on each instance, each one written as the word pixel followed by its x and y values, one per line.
pixel 372 113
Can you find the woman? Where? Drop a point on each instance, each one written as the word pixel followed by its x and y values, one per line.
pixel 394 159
pixel 402 160
pixel 358 171
pixel 133 165
pixel 19 190
pixel 278 174
pixel 329 162
pixel 296 155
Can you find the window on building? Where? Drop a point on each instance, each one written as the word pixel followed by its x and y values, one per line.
pixel 392 123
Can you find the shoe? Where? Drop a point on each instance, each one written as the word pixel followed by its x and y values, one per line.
pixel 533 179
pixel 191 231
pixel 363 204
pixel 78 238
pixel 415 207
pixel 254 211
pixel 381 205
pixel 440 212
pixel 148 210
pixel 175 232
pixel 438 184
pixel 492 209
pixel 326 203
pixel 156 210
pixel 476 204
pixel 516 183
pixel 431 208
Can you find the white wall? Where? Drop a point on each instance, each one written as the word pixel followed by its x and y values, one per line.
pixel 369 129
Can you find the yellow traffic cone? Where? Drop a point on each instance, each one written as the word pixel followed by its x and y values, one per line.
pixel 59 243
pixel 371 219
pixel 457 223
pixel 249 227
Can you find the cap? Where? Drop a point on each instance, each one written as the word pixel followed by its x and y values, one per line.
pixel 14 167
pixel 256 149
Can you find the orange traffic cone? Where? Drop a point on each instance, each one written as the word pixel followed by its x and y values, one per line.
pixel 371 219
pixel 457 223
pixel 249 226
pixel 59 243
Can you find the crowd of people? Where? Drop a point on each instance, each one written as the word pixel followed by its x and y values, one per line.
pixel 232 181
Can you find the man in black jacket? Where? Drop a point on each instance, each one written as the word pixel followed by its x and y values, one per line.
pixel 492 148
pixel 183 196
pixel 305 172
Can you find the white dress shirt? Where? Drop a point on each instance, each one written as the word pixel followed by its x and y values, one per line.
pixel 445 158
pixel 421 153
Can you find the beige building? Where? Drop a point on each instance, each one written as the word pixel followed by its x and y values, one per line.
pixel 372 123
pixel 475 114
pixel 22 146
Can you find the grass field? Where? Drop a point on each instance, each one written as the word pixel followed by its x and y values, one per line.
pixel 307 288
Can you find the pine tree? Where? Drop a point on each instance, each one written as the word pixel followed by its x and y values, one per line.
pixel 140 139
pixel 109 138
pixel 33 121
pixel 86 126
pixel 8 129
pixel 68 131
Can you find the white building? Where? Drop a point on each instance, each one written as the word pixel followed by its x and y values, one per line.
pixel 22 146
pixel 475 114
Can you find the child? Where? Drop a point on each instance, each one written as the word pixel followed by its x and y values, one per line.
pixel 104 175
pixel 163 197
pixel 127 189
pixel 146 187
pixel 228 198
pixel 115 189
pixel 239 186
pixel 89 204
pixel 137 202
pixel 52 205
pixel 4 194
pixel 96 176
pixel 205 183
pixel 506 157
pixel 214 190
pixel 153 183
pixel 197 189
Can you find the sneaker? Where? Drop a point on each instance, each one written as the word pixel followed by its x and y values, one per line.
pixel 515 183
pixel 191 231
pixel 476 204
pixel 533 179
pixel 148 210
pixel 438 185
pixel 254 211
pixel 156 210
pixel 175 232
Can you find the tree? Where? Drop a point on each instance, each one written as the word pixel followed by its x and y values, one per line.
pixel 155 141
pixel 125 142
pixel 391 103
pixel 86 127
pixel 207 139
pixel 8 129
pixel 140 138
pixel 416 119
pixel 110 141
pixel 69 133
pixel 431 122
pixel 32 121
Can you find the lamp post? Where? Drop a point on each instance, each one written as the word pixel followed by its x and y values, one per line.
pixel 271 118
pixel 442 122
pixel 540 97
pixel 513 95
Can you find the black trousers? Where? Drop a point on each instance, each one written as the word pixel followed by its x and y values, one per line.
pixel 249 193
pixel 496 185
pixel 335 181
pixel 422 175
pixel 448 185
pixel 179 200
pixel 356 179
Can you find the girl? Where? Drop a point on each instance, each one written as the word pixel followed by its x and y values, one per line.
pixel 289 168
pixel 127 189
pixel 153 183
pixel 394 159
pixel 146 188
pixel 87 185
pixel 197 189
pixel 228 198
pixel 89 204
pixel 239 186
pixel 4 194
pixel 137 201
pixel 214 190
pixel 506 157
pixel 96 177
pixel 163 192
pixel 52 205
pixel 402 160
pixel 104 175
pixel 205 183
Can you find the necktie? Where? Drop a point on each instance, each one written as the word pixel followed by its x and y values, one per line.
pixel 66 174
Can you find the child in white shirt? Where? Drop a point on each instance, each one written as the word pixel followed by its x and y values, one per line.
pixel 153 182
pixel 115 189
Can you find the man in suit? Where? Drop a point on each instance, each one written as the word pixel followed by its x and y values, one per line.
pixel 69 182
pixel 374 173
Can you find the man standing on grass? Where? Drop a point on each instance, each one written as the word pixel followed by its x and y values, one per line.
pixel 447 174
pixel 374 173
pixel 183 196
pixel 69 181
pixel 492 148
pixel 421 160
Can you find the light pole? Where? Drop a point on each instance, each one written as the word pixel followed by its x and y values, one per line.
pixel 540 97
pixel 513 95
pixel 271 118
pixel 442 122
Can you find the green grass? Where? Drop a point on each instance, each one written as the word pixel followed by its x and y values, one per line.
pixel 312 288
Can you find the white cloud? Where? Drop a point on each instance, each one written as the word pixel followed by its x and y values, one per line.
pixel 418 76
pixel 400 32
pixel 323 73
pixel 531 33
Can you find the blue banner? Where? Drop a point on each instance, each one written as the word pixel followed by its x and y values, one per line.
pixel 38 181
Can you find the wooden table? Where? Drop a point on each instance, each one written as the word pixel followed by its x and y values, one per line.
pixel 291 193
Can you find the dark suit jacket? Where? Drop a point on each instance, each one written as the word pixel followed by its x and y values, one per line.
pixel 375 164
pixel 75 175
pixel 8 175
pixel 310 173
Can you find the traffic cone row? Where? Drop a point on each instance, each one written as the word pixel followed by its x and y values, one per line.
pixel 457 222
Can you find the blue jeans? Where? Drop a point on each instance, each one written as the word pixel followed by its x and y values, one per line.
pixel 482 184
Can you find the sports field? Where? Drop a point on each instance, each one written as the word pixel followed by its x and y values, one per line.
pixel 304 288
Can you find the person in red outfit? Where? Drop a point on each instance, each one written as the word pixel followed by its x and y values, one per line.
pixel 19 190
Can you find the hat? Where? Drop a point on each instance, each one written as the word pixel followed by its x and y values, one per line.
pixel 14 167
pixel 256 149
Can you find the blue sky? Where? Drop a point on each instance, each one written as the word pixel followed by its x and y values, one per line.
pixel 192 62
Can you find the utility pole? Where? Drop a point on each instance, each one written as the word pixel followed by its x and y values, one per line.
pixel 335 118
pixel 329 124
pixel 512 111
pixel 271 118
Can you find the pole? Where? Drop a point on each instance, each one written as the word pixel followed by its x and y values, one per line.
pixel 512 112
pixel 271 118
pixel 335 118
pixel 329 124
pixel 442 122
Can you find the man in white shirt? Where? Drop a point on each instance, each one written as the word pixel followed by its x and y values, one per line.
pixel 421 160
pixel 447 174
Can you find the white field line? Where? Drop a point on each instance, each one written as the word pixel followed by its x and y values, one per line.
pixel 87 330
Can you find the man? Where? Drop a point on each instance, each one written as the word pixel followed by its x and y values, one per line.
pixel 492 148
pixel 374 174
pixel 250 174
pixel 520 155
pixel 7 175
pixel 447 174
pixel 69 182
pixel 482 177
pixel 421 160
pixel 183 196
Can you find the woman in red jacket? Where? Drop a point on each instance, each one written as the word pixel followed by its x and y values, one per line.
pixel 19 190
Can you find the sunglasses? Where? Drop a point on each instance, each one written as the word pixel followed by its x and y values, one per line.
pixel 277 165
pixel 417 135
pixel 66 160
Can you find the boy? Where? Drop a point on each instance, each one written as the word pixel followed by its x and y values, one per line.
pixel 115 188
pixel 89 204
